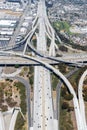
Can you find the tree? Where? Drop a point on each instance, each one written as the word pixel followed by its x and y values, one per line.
pixel 62 67
pixel 63 91
pixel 65 105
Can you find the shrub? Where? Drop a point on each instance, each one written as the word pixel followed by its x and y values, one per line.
pixel 4 107
pixel 85 97
pixel 70 109
pixel 16 66
pixel 63 48
pixel 68 96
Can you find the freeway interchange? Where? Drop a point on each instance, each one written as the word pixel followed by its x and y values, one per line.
pixel 43 113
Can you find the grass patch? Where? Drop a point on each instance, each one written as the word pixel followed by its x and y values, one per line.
pixel 62 26
pixel 54 81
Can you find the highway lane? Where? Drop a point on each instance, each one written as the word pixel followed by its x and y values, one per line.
pixel 13 119
pixel 43 112
pixel 48 91
pixel 81 100
pixel 43 109
pixel 36 96
pixel 28 38
pixel 2 123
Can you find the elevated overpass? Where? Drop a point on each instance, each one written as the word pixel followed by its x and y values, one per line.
pixel 11 60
